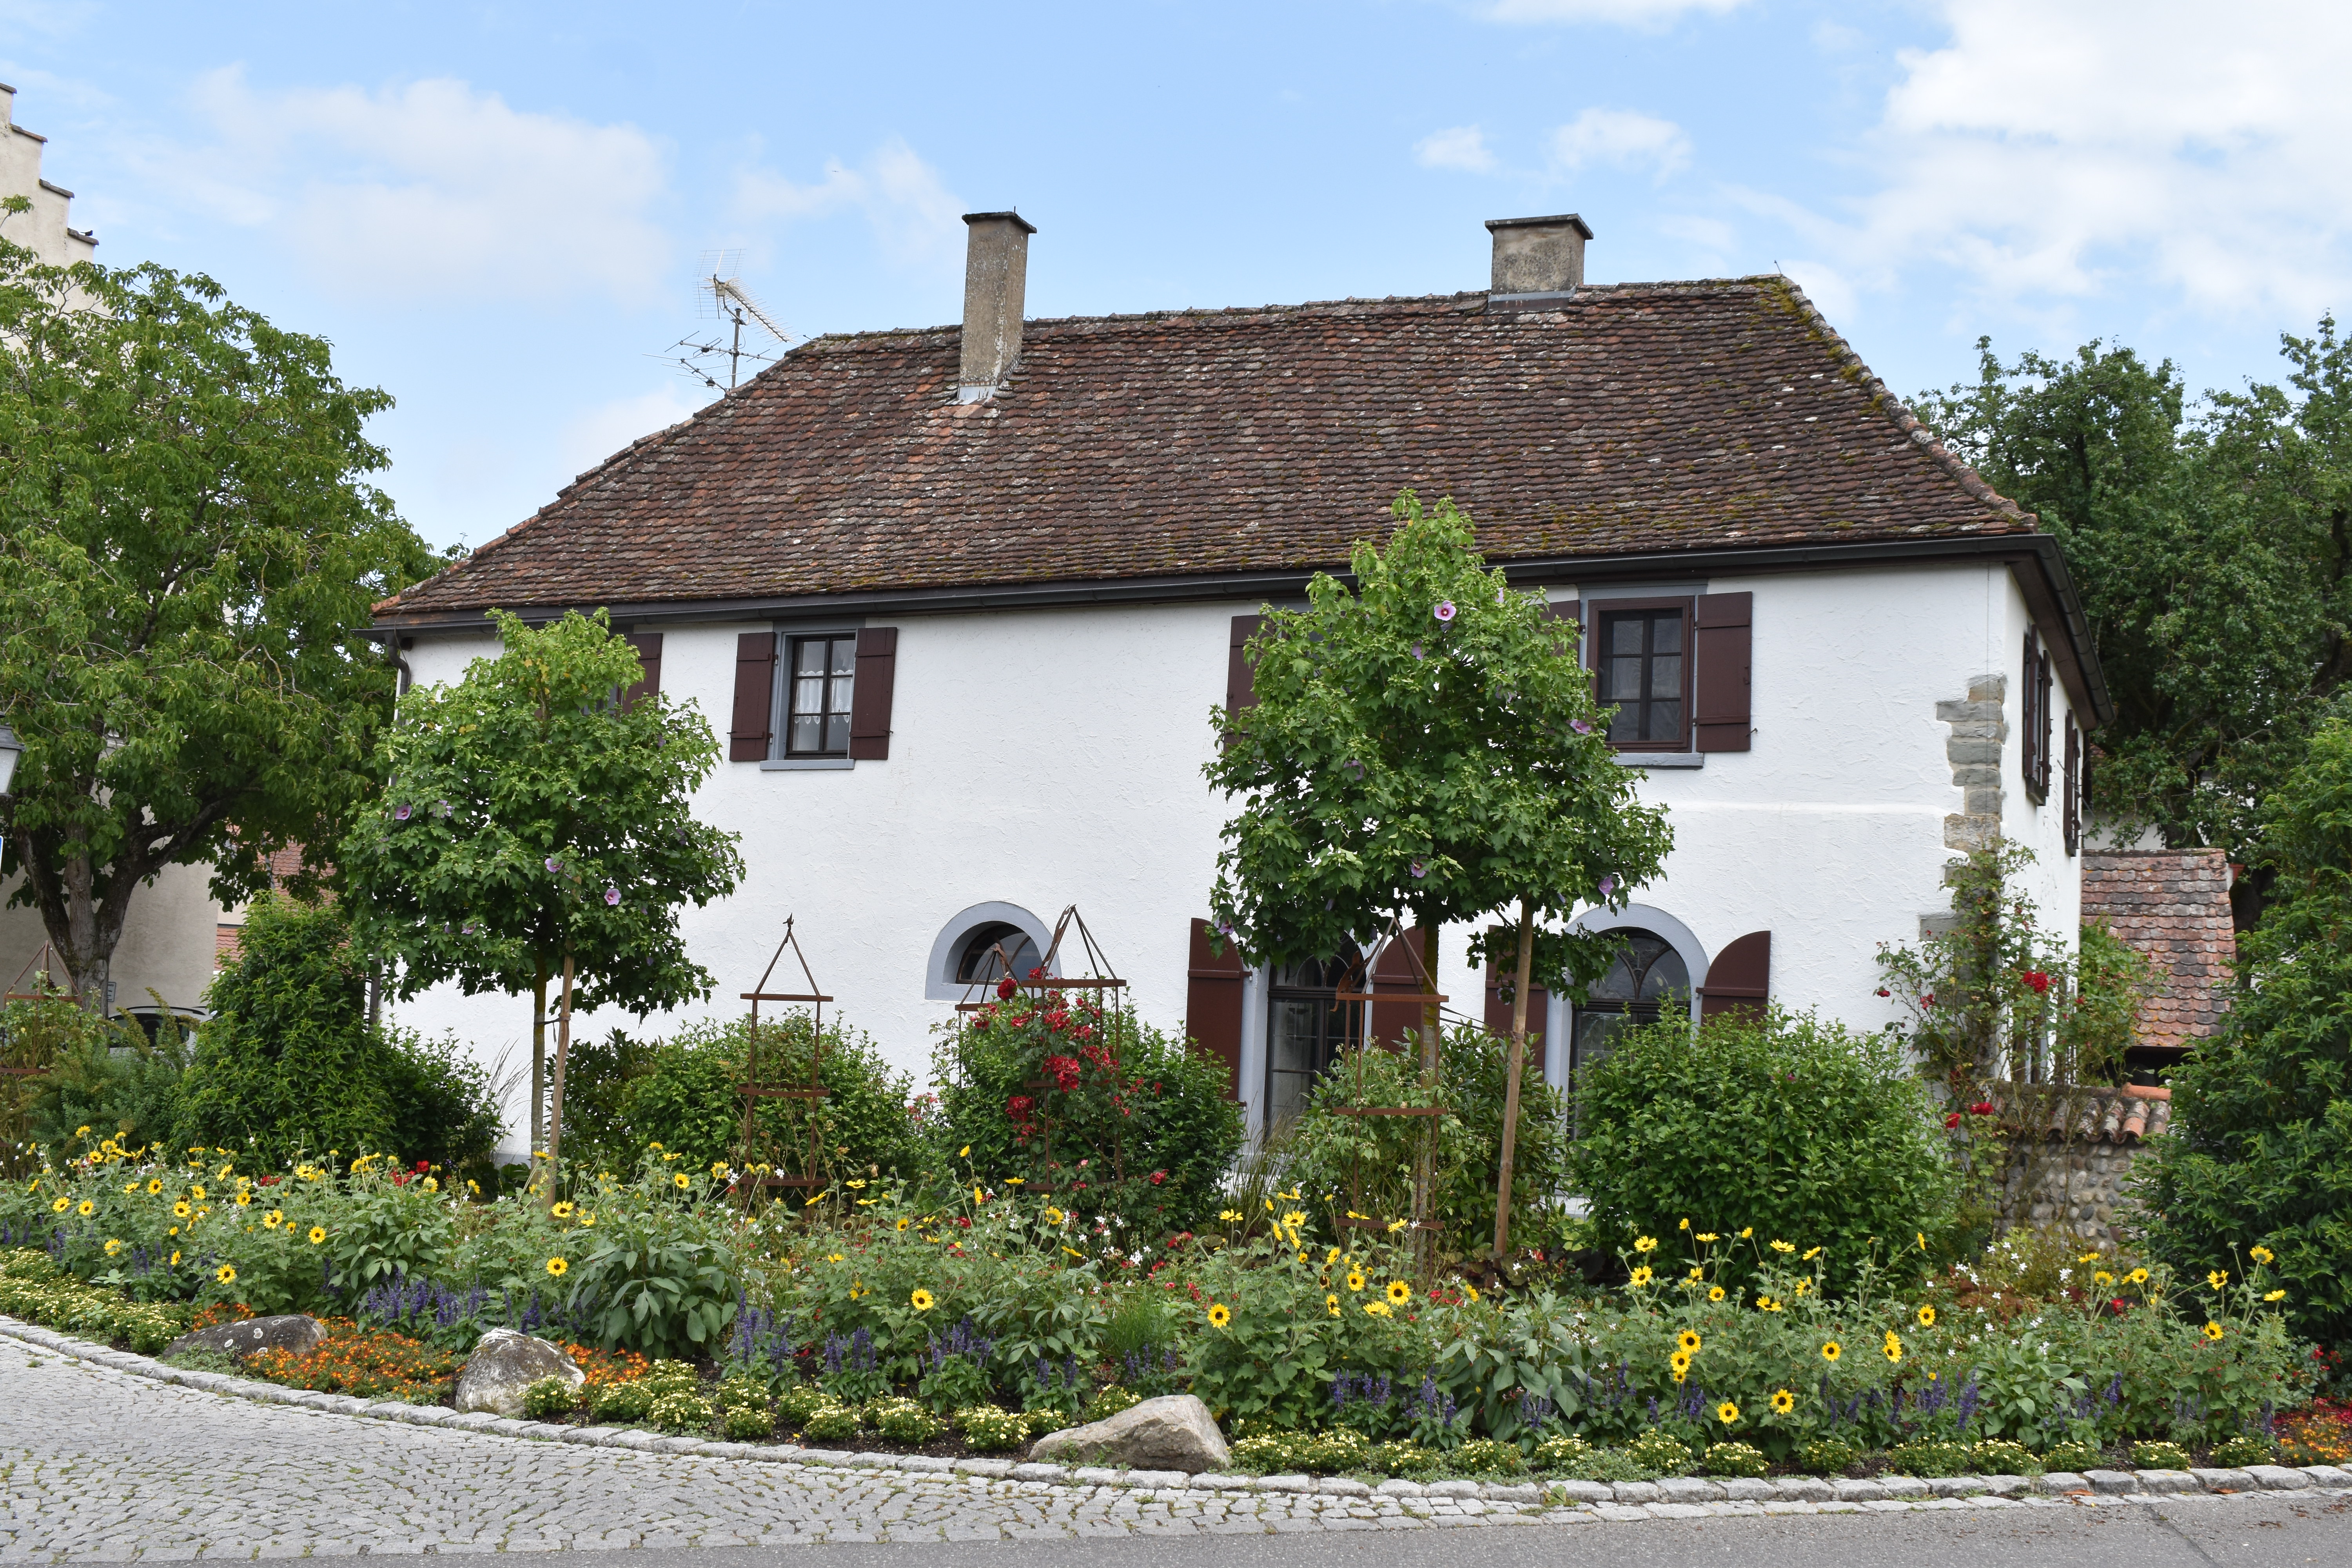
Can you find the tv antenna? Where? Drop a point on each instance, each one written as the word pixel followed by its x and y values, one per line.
pixel 722 298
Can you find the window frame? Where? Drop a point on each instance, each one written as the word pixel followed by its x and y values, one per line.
pixel 780 749
pixel 1350 1030
pixel 1596 614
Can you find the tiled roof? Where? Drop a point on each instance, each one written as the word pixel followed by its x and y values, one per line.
pixel 2093 1115
pixel 2174 906
pixel 1635 418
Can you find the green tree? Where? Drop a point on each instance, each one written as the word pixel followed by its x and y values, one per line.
pixel 2212 547
pixel 188 550
pixel 2261 1148
pixel 536 829
pixel 1426 745
pixel 286 1065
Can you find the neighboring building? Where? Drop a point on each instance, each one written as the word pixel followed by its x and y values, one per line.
pixel 964 602
pixel 2174 906
pixel 168 936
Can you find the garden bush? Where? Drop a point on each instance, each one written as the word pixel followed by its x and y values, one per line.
pixel 1661 1453
pixel 1735 1459
pixel 1138 1120
pixel 830 1423
pixel 2073 1456
pixel 1559 1453
pixel 621 1402
pixel 988 1429
pixel 551 1399
pixel 797 1404
pixel 2160 1456
pixel 680 1410
pixel 1929 1457
pixel 1999 1456
pixel 2236 1453
pixel 1488 1457
pixel 1829 1456
pixel 1408 1460
pixel 1108 1402
pixel 1790 1124
pixel 2261 1148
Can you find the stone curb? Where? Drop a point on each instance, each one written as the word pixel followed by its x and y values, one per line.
pixel 1673 1497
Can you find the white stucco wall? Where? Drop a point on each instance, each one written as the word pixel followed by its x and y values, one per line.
pixel 169 937
pixel 1042 758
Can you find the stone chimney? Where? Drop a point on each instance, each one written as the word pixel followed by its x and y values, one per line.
pixel 1538 261
pixel 995 278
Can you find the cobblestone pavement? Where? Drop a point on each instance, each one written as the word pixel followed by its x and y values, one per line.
pixel 96 1464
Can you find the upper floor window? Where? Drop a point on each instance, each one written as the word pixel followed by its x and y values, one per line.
pixel 817 693
pixel 1645 673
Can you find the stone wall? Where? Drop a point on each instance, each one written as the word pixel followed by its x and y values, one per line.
pixel 2071 1154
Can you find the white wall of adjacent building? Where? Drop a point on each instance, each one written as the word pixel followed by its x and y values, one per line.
pixel 1042 758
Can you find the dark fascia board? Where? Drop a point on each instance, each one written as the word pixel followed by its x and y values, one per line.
pixel 2034 558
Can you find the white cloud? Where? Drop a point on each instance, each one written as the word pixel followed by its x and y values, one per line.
pixel 594 434
pixel 1623 139
pixel 2051 148
pixel 431 191
pixel 917 220
pixel 1460 147
pixel 1636 13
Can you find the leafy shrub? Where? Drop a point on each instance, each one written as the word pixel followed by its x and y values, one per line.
pixel 903 1421
pixel 2071 1456
pixel 551 1399
pixel 1109 1401
pixel 445 1109
pixel 830 1423
pixel 799 1402
pixel 621 1094
pixel 747 1423
pixel 285 1064
pixel 989 1429
pixel 1403 1458
pixel 2160 1456
pixel 1999 1456
pixel 1789 1123
pixel 680 1410
pixel 1608 1465
pixel 1559 1453
pixel 744 1410
pixel 2261 1147
pixel 1829 1456
pixel 1736 1460
pixel 1661 1452
pixel 1928 1458
pixel 1141 1105
pixel 2236 1453
pixel 659 1272
pixel 1487 1457
pixel 31 1289
pixel 103 1073
pixel 621 1402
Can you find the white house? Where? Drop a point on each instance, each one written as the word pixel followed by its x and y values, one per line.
pixel 965 601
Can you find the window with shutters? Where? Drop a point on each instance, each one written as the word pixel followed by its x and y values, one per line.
pixel 1641 657
pixel 2072 786
pixel 2036 727
pixel 1306 1028
pixel 822 674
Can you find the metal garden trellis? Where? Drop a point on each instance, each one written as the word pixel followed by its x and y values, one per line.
pixel 1041 981
pixel 754 1090
pixel 1420 1223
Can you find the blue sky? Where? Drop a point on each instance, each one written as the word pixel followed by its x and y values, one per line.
pixel 497 211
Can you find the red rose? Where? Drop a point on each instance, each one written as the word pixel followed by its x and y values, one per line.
pixel 1952 1120
pixel 1981 1108
pixel 1006 988
pixel 1883 991
pixel 1158 1177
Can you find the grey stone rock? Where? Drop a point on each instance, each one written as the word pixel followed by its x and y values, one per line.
pixel 1173 1432
pixel 1095 1476
pixel 2278 1478
pixel 1744 1489
pixel 1634 1493
pixel 1903 1486
pixel 1859 1491
pixel 1399 1487
pixel 1803 1488
pixel 1524 1492
pixel 1958 1486
pixel 1329 1486
pixel 2223 1480
pixel 1689 1489
pixel 2167 1481
pixel 294 1332
pixel 504 1364
pixel 1580 1492
pixel 1158 1479
pixel 2327 1475
pixel 1032 1472
pixel 2113 1483
pixel 1221 1481
pixel 2006 1486
pixel 2058 1483
pixel 1282 1484
pixel 996 1469
pixel 1450 1488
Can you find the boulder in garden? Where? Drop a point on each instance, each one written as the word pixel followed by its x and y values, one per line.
pixel 504 1364
pixel 1174 1432
pixel 294 1332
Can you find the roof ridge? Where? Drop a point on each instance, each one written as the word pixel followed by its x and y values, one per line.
pixel 1898 413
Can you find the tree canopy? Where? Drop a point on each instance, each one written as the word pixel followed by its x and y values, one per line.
pixel 534 826
pixel 2211 545
pixel 188 552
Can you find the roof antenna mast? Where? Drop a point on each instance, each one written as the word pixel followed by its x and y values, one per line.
pixel 721 298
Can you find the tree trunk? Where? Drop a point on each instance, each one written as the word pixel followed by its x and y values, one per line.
pixel 1511 1081
pixel 562 1050
pixel 538 1065
pixel 1424 1163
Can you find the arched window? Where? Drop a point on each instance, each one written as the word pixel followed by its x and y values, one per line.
pixel 979 963
pixel 1306 1028
pixel 1648 973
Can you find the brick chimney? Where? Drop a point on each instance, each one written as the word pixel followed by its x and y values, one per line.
pixel 995 278
pixel 1538 261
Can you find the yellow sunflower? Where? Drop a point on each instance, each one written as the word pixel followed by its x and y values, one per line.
pixel 1830 1351
pixel 1715 1293
pixel 2262 1255
pixel 64 1203
pixel 556 1267
pixel 1728 1412
pixel 1927 1317
pixel 1680 1360
pixel 1219 1315
pixel 318 1234
pixel 1783 1401
pixel 682 1181
pixel 86 1209
pixel 2275 1295
pixel 1892 1347
pixel 197 1194
pixel 1688 1341
pixel 2137 1277
pixel 1376 1308
pixel 562 1210
pixel 113 1247
pixel 904 1222
pixel 2218 1278
pixel 175 1259
pixel 1645 1244
pixel 1355 1281
pixel 1398 1292
pixel 180 1210
pixel 922 1301
pixel 1331 1305
pixel 154 1185
pixel 225 1274
pixel 273 1220
pixel 1641 1276
pixel 2213 1331
pixel 1055 1216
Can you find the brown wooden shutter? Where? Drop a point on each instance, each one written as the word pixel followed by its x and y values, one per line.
pixel 1722 647
pixel 869 697
pixel 1212 1003
pixel 1241 683
pixel 2074 784
pixel 2042 705
pixel 755 695
pixel 1740 978
pixel 2029 712
pixel 1498 1008
pixel 649 647
pixel 1394 975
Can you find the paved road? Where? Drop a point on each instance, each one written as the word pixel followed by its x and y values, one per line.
pixel 98 1465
